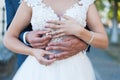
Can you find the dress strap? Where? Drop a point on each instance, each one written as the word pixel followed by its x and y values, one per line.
pixel 32 3
pixel 79 2
pixel 90 2
pixel 86 3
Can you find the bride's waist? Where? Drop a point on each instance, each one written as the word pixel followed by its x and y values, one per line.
pixel 76 57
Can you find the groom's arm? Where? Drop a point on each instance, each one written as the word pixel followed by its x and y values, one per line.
pixel 70 46
pixel 22 34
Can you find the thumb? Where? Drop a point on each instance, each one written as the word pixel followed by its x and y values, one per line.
pixel 49 53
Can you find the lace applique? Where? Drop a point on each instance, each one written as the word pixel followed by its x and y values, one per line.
pixel 90 2
pixel 87 3
pixel 42 13
pixel 32 3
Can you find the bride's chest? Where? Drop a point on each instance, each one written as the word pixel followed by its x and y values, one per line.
pixel 42 13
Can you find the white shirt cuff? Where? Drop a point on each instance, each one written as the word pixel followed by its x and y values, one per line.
pixel 84 51
pixel 24 39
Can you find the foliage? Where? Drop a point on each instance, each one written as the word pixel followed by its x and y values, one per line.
pixel 114 0
pixel 99 4
pixel 118 12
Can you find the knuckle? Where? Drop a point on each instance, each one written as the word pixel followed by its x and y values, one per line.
pixel 55 48
pixel 32 45
pixel 40 60
pixel 43 46
pixel 32 40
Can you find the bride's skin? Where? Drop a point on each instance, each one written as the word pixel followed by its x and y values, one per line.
pixel 71 27
pixel 23 17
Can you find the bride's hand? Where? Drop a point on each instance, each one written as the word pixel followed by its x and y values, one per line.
pixel 40 54
pixel 69 26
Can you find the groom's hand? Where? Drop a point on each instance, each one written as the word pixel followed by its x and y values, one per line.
pixel 37 40
pixel 70 46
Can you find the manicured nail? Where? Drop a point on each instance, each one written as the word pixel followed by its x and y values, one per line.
pixel 47 48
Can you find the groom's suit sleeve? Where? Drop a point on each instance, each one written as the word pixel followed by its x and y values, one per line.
pixel 29 28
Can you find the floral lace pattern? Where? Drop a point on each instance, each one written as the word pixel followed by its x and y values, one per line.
pixel 42 13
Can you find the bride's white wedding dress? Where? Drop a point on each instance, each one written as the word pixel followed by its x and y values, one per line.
pixel 77 67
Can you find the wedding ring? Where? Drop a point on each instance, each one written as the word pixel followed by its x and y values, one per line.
pixel 49 33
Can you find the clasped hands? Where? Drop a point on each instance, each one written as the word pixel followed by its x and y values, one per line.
pixel 70 45
pixel 68 26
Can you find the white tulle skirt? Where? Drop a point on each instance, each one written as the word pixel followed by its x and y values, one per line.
pixel 77 67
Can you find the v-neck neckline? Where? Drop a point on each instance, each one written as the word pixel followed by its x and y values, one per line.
pixel 64 12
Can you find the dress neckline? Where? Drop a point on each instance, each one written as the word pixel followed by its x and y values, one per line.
pixel 65 11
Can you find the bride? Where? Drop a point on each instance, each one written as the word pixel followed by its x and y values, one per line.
pixel 59 18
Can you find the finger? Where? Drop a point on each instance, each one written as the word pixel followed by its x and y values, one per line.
pixel 40 45
pixel 49 53
pixel 60 31
pixel 59 35
pixel 55 44
pixel 68 38
pixel 53 26
pixel 42 39
pixel 57 48
pixel 39 32
pixel 67 17
pixel 62 44
pixel 45 38
pixel 61 56
pixel 51 56
pixel 45 61
pixel 56 22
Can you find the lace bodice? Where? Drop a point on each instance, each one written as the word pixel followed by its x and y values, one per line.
pixel 42 13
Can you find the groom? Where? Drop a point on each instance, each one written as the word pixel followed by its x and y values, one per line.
pixel 70 46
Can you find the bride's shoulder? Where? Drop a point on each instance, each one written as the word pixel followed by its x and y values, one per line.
pixel 87 2
pixel 31 2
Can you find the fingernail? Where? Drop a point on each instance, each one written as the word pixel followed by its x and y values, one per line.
pixel 47 48
pixel 51 56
